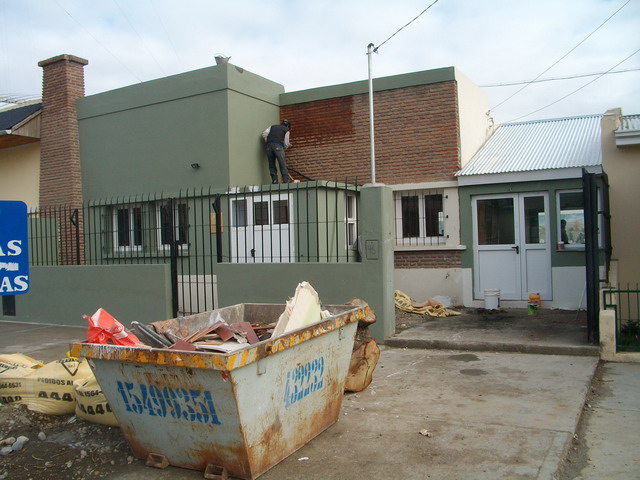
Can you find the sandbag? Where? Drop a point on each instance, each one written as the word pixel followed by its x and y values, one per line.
pixel 91 404
pixel 48 389
pixel 13 368
pixel 17 365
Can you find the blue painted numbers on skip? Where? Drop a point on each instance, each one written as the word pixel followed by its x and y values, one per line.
pixel 177 403
pixel 304 380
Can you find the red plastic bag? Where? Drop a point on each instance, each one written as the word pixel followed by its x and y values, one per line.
pixel 105 329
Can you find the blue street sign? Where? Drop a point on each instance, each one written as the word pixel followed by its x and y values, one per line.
pixel 14 251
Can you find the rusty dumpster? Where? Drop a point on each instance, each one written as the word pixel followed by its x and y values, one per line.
pixel 235 414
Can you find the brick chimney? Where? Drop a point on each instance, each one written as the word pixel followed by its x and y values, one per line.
pixel 62 85
pixel 60 179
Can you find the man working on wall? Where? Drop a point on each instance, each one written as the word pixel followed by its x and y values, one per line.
pixel 277 139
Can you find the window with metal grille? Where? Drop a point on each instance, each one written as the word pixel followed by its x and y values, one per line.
pixel 420 218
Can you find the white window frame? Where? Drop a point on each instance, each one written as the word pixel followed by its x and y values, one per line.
pixel 132 247
pixel 351 220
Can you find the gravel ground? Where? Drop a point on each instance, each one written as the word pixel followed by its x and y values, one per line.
pixel 60 447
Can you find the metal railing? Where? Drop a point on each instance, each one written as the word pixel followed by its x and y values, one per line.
pixel 193 230
pixel 626 303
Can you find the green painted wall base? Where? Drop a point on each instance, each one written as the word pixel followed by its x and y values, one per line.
pixel 61 295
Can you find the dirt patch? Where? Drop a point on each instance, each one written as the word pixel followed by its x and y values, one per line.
pixel 406 320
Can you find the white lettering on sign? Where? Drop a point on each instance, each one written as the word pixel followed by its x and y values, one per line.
pixel 19 284
pixel 13 248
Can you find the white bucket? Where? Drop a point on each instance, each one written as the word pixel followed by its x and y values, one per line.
pixel 491 299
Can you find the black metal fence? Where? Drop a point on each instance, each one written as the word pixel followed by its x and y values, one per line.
pixel 194 230
pixel 626 303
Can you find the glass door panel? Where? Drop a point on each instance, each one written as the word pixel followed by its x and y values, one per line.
pixel 496 221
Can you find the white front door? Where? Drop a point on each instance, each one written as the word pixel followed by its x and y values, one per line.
pixel 260 229
pixel 512 245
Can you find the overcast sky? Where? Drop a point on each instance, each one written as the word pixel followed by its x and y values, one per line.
pixel 306 44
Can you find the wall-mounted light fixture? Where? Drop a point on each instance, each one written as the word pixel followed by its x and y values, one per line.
pixel 195 166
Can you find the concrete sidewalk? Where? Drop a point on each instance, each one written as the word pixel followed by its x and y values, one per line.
pixel 482 415
pixel 610 426
pixel 556 332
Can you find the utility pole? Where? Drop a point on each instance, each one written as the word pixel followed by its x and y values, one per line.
pixel 370 50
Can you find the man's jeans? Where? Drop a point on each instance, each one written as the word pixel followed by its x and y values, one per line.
pixel 274 152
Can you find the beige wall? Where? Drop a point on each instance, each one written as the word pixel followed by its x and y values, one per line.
pixel 622 165
pixel 473 107
pixel 20 174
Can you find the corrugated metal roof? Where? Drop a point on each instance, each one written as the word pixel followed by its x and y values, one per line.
pixel 11 117
pixel 539 145
pixel 629 123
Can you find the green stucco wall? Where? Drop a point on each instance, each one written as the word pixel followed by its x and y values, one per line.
pixel 61 295
pixel 144 138
pixel 247 120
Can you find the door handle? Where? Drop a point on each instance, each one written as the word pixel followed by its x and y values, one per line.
pixel 517 249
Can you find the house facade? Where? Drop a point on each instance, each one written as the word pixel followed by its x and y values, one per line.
pixel 179 162
pixel 621 161
pixel 521 197
pixel 202 129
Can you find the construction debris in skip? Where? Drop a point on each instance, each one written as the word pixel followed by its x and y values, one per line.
pixel 209 331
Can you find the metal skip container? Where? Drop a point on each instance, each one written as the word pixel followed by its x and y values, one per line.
pixel 235 414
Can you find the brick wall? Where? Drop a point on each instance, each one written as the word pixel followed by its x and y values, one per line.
pixel 416 133
pixel 428 259
pixel 62 85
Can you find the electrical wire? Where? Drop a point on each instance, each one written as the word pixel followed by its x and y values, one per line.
pixel 561 58
pixel 576 90
pixel 98 42
pixel 409 23
pixel 553 79
pixel 124 14
pixel 173 47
